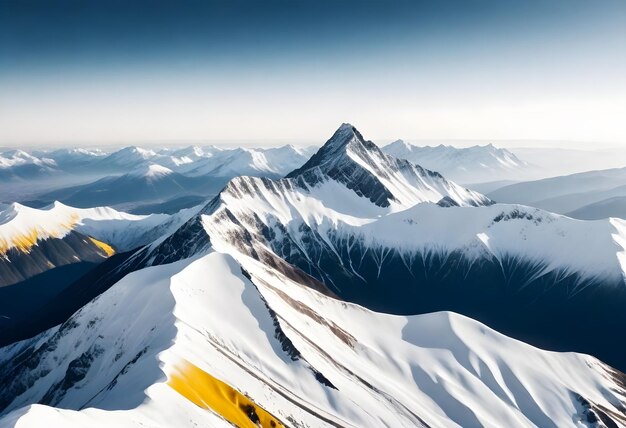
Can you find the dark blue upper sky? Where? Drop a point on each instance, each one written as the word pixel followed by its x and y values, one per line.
pixel 152 70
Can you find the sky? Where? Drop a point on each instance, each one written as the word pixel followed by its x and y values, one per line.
pixel 95 72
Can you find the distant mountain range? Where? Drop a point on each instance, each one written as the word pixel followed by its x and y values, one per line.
pixel 474 164
pixel 159 179
pixel 323 298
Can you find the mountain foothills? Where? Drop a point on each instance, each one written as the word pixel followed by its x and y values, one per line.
pixel 351 288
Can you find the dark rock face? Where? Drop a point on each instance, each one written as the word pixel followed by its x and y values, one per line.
pixel 21 373
pixel 76 371
pixel 447 202
pixel 16 266
pixel 333 162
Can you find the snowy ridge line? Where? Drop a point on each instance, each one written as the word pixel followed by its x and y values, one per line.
pixel 121 230
pixel 395 355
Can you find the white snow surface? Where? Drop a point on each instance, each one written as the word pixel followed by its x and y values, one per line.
pixel 441 369
pixel 121 230
pixel 151 171
pixel 13 158
pixel 558 243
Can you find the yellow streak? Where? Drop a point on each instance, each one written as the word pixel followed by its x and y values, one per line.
pixel 205 391
pixel 23 242
pixel 103 246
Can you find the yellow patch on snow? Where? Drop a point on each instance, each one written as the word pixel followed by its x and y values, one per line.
pixel 25 241
pixel 103 246
pixel 208 392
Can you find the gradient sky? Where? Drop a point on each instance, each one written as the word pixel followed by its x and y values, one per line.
pixel 134 71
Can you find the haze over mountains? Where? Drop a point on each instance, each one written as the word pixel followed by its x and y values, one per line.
pixel 356 289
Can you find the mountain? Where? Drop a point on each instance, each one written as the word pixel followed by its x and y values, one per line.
pixel 361 166
pixel 565 193
pixel 158 349
pixel 273 162
pixel 180 159
pixel 611 207
pixel 45 251
pixel 33 241
pixel 70 159
pixel 89 178
pixel 19 165
pixel 323 299
pixel 388 235
pixel 147 183
pixel 469 165
pixel 125 159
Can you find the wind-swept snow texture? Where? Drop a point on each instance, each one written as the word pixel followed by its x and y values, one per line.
pixel 109 364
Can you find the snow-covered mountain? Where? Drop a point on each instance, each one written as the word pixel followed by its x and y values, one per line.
pixel 151 178
pixel 19 165
pixel 159 349
pixel 69 159
pixel 273 162
pixel 209 160
pixel 389 235
pixel 308 300
pixel 125 159
pixel 359 165
pixel 33 241
pixel 50 255
pixel 474 164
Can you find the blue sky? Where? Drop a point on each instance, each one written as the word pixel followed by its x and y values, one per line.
pixel 136 71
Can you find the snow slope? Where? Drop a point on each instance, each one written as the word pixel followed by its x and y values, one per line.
pixel 262 338
pixel 22 226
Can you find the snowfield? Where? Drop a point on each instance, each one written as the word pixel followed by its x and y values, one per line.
pixel 440 369
pixel 123 231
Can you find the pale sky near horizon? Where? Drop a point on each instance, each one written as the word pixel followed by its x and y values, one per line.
pixel 84 72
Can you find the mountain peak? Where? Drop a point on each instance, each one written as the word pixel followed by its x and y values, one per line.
pixel 361 166
pixel 399 144
pixel 152 170
pixel 345 136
